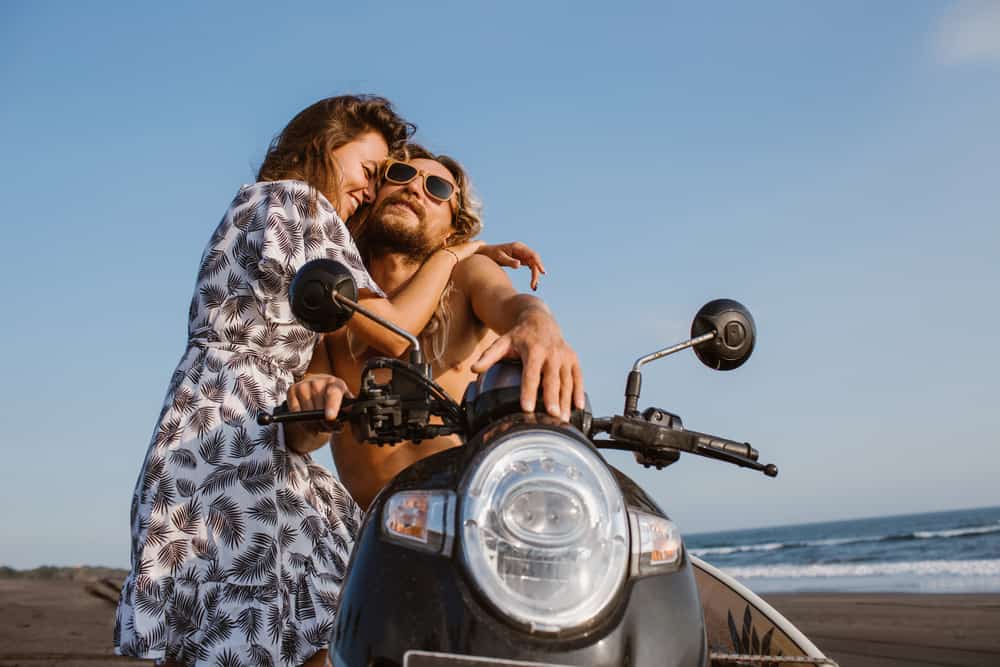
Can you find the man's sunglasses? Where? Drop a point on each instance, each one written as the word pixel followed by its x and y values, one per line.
pixel 436 187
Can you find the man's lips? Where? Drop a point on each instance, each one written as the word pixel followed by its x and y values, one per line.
pixel 412 206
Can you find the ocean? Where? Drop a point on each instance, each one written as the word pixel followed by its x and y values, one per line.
pixel 939 552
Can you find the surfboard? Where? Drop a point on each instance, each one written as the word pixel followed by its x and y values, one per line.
pixel 739 622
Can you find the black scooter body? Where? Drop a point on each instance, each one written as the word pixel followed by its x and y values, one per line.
pixel 396 599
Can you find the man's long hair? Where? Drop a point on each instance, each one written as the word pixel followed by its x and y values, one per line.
pixel 466 223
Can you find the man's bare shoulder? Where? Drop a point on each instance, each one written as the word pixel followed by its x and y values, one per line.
pixel 476 270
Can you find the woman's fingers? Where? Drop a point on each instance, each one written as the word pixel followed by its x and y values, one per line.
pixel 504 258
pixel 514 255
pixel 334 393
pixel 318 392
pixel 297 393
pixel 528 257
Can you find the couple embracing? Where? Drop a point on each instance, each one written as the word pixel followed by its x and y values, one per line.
pixel 239 540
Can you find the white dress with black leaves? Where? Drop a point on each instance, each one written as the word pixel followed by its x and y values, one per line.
pixel 239 545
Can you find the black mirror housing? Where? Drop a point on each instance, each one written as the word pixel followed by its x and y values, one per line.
pixel 736 334
pixel 311 295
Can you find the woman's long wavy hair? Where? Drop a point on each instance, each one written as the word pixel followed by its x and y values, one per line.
pixel 303 151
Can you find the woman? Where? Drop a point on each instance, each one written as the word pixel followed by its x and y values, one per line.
pixel 238 544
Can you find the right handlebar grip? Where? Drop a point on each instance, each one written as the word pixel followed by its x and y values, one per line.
pixel 731 446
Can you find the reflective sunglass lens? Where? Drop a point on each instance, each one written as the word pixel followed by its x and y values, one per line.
pixel 400 172
pixel 439 188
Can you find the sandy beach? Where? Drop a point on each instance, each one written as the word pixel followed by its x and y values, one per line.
pixel 895 629
pixel 63 621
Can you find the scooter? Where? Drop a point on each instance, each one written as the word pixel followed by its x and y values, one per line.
pixel 524 546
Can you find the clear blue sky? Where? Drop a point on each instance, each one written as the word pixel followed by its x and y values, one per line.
pixel 835 166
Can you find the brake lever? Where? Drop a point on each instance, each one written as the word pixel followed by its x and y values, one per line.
pixel 642 435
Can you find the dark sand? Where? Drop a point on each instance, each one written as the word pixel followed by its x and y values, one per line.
pixel 58 622
pixel 892 630
pixel 55 622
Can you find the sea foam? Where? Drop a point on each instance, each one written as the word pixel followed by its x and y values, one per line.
pixel 960 568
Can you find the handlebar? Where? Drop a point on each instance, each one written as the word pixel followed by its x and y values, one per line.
pixel 642 435
pixel 281 414
pixel 738 453
pixel 730 446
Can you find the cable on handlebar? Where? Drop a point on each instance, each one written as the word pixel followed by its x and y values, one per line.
pixel 452 408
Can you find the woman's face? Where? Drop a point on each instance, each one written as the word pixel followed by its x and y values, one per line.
pixel 359 162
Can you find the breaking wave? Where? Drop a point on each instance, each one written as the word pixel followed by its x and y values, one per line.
pixel 917 535
pixel 961 568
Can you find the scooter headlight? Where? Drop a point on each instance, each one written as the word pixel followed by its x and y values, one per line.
pixel 544 530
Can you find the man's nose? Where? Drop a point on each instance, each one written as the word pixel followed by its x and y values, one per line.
pixel 416 185
pixel 370 190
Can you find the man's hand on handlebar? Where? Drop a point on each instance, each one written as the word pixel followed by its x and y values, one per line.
pixel 547 359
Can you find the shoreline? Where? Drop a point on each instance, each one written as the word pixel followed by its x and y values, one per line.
pixel 64 619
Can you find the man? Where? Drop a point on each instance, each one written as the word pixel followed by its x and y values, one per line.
pixel 424 204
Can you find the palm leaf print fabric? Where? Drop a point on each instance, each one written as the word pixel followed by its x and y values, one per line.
pixel 239 545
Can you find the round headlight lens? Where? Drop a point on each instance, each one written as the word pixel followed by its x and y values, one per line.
pixel 544 530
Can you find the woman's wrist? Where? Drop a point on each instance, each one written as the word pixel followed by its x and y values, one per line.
pixel 303 440
pixel 450 254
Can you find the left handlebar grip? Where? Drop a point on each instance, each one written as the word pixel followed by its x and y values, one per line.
pixel 282 415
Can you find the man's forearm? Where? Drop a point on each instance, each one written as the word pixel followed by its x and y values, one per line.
pixel 519 309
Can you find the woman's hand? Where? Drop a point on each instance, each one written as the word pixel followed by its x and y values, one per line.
pixel 514 255
pixel 314 392
pixel 318 392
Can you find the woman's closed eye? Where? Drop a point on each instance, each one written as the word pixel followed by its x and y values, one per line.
pixel 370 170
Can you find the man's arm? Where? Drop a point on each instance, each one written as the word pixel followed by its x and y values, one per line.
pixel 527 330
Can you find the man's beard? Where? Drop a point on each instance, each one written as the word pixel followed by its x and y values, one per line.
pixel 384 234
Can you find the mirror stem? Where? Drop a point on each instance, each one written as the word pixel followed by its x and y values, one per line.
pixel 632 387
pixel 704 338
pixel 634 383
pixel 416 354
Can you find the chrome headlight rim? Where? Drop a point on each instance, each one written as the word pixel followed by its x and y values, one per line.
pixel 488 582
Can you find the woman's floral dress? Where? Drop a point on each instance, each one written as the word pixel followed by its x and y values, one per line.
pixel 239 545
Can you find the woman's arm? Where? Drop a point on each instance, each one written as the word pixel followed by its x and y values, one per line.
pixel 414 305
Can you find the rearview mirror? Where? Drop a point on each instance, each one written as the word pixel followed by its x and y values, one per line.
pixel 311 295
pixel 736 334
